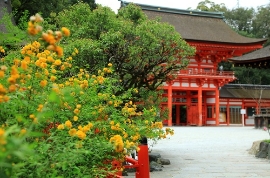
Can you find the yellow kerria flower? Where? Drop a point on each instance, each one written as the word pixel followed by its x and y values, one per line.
pixel 60 127
pixel 2 74
pixel 72 132
pixel 68 124
pixel 40 107
pixel 32 116
pixel 118 143
pixel 75 118
pixel 57 62
pixel 53 78
pixel 2 132
pixel 23 131
pixel 65 31
pixel 81 134
pixel 76 111
pixel 43 83
pixel 12 88
pixel 24 65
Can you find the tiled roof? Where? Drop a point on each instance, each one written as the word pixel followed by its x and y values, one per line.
pixel 197 25
pixel 258 55
pixel 245 91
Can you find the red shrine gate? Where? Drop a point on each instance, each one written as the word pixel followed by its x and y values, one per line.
pixel 193 95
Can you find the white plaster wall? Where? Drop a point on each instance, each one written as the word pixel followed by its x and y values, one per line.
pixel 210 100
pixel 194 85
pixel 176 84
pixel 185 84
pixel 210 122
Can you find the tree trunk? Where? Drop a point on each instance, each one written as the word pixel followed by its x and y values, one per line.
pixel 5 6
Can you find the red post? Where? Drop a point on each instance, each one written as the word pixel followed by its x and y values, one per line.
pixel 200 105
pixel 170 104
pixel 217 105
pixel 143 161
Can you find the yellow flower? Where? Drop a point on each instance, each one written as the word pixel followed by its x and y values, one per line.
pixel 72 132
pixel 110 64
pixel 81 134
pixel 32 116
pixel 65 31
pixel 24 65
pixel 23 131
pixel 118 143
pixel 75 118
pixel 40 107
pixel 12 88
pixel 59 51
pixel 68 124
pixel 2 132
pixel 53 78
pixel 57 62
pixel 78 106
pixel 62 67
pixel 2 74
pixel 76 111
pixel 60 127
pixel 43 83
pixel 90 125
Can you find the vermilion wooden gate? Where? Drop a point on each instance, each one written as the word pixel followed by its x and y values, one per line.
pixel 193 115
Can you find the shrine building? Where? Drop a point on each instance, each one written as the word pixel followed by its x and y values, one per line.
pixel 194 94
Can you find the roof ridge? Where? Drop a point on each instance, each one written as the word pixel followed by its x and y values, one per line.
pixel 177 11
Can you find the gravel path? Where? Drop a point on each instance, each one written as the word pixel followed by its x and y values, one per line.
pixel 211 152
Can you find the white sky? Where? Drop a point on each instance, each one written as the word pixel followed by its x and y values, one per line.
pixel 184 4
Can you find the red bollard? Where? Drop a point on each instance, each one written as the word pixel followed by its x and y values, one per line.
pixel 143 170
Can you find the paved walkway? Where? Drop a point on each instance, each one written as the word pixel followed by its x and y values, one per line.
pixel 211 152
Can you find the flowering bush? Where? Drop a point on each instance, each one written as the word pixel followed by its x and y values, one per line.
pixel 68 126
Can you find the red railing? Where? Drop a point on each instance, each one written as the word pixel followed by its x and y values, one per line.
pixel 141 165
pixel 195 72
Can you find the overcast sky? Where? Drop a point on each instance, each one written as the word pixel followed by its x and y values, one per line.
pixel 184 4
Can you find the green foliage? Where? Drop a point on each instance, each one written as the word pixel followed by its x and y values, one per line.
pixel 73 125
pixel 250 75
pixel 138 47
pixel 208 5
pixel 261 23
pixel 240 19
pixel 133 13
pixel 23 20
pixel 44 7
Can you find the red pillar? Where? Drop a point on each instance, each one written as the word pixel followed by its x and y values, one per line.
pixel 200 105
pixel 217 105
pixel 170 104
pixel 177 114
pixel 228 112
pixel 143 161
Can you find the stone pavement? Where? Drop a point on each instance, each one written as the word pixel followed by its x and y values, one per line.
pixel 211 152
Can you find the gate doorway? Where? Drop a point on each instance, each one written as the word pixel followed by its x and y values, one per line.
pixel 179 115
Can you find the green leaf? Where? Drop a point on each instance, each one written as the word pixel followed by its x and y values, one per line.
pixel 53 97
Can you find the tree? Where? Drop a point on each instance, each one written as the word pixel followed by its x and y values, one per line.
pixel 261 23
pixel 253 76
pixel 240 19
pixel 145 52
pixel 44 7
pixel 208 5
